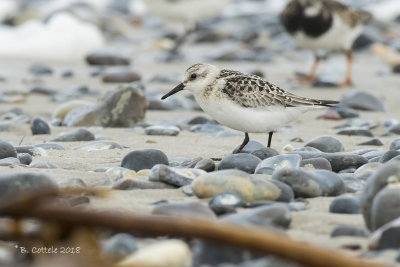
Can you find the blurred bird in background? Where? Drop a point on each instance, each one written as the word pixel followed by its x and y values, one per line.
pixel 324 25
pixel 182 16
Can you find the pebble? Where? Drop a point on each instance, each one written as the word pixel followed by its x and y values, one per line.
pixel 325 143
pixel 338 161
pixel 206 128
pixel 309 184
pixel 225 203
pixel 121 107
pixel 395 144
pixel 264 153
pixel 12 184
pixel 193 210
pixel 362 100
pixel 174 176
pixel 349 230
pixel 355 131
pixel 106 58
pixel 165 253
pixel 7 150
pixel 67 74
pixel 40 69
pixel 162 130
pixel 144 159
pixel 366 170
pixel 43 89
pixel 24 158
pixel 385 206
pixel 352 184
pixel 42 165
pixel 250 147
pixel 394 129
pixel 119 246
pixel 120 75
pixel 73 182
pixel 205 164
pixel 130 184
pixel 390 154
pixel 242 161
pixel 316 163
pixel 272 164
pixel 50 146
pixel 61 111
pixel 9 161
pixel 386 237
pixel 200 120
pixel 99 145
pixel 371 142
pixel 80 134
pixel 345 205
pixel 235 182
pixel 103 182
pixel 39 126
pixel 275 215
pixel 374 218
pixel 346 113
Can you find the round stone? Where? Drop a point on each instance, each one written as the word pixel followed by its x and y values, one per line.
pixel 395 144
pixel 162 130
pixel 325 144
pixel 144 159
pixel 265 152
pixel 317 163
pixel 7 150
pixel 345 205
pixel 24 158
pixel 205 164
pixel 349 230
pixel 39 126
pixel 174 176
pixel 362 100
pixel 75 135
pixel 242 161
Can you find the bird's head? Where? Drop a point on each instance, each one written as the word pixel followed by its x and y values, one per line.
pixel 197 78
pixel 311 8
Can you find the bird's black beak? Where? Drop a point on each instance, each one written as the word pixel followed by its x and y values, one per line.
pixel 178 88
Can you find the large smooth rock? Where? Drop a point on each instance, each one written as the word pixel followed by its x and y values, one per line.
pixel 235 182
pixel 362 100
pixel 326 144
pixel 75 135
pixel 12 184
pixel 311 183
pixel 174 176
pixel 386 174
pixel 242 161
pixel 7 150
pixel 122 107
pixel 345 205
pixel 39 126
pixel 144 159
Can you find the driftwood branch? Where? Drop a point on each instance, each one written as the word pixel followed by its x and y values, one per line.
pixel 154 225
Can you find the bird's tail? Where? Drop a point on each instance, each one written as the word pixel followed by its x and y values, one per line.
pixel 327 103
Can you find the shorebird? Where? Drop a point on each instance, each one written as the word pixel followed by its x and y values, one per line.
pixel 244 102
pixel 324 25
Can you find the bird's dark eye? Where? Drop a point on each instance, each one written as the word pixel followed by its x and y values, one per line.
pixel 193 76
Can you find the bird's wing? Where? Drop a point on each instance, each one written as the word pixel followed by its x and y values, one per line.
pixel 250 91
pixel 349 16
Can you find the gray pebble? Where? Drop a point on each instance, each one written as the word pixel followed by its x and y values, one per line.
pixel 40 69
pixel 200 120
pixel 174 176
pixel 7 150
pixel 264 153
pixel 286 161
pixel 206 128
pixel 24 158
pixel 106 58
pixel 75 135
pixel 362 100
pixel 355 131
pixel 394 129
pixel 131 184
pixel 385 206
pixel 395 144
pixel 387 237
pixel 352 184
pixel 349 230
pixel 317 163
pixel 242 161
pixel 119 246
pixel 346 113
pixel 39 126
pixel 205 164
pixel 345 205
pixel 120 75
pixel 184 209
pixel 250 147
pixel 144 159
pixel 43 89
pixel 389 155
pixel 371 142
pixel 326 144
pixel 67 74
pixel 225 203
pixel 162 130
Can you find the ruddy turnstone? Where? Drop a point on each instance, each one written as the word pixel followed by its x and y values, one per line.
pixel 324 25
pixel 244 102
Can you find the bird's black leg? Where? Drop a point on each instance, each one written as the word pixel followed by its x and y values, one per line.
pixel 270 138
pixel 244 143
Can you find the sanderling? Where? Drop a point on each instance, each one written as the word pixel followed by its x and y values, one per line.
pixel 324 25
pixel 244 102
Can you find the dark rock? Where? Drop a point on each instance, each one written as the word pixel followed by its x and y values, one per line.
pixel 119 246
pixel 206 128
pixel 346 113
pixel 395 144
pixel 275 215
pixel 349 230
pixel 338 161
pixel 120 75
pixel 43 89
pixel 387 236
pixel 106 57
pixel 24 158
pixel 311 183
pixel 394 129
pixel 184 209
pixel 67 74
pixel 39 126
pixel 371 142
pixel 326 144
pixel 355 131
pixel 250 147
pixel 205 164
pixel 385 206
pixel 122 107
pixel 40 69
pixel 12 184
pixel 225 203
pixel 362 100
pixel 200 120
pixel 7 150
pixel 389 155
pixel 265 152
pixel 346 205
pixel 242 161
pixel 75 135
pixel 287 194
pixel 174 176
pixel 144 159
pixel 316 163
pixel 386 173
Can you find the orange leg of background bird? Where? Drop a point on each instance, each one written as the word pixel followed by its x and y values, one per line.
pixel 347 81
pixel 311 75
